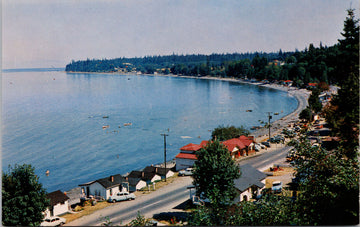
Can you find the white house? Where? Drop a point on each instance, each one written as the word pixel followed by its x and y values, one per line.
pixel 159 171
pixel 105 187
pixel 145 176
pixel 59 204
pixel 250 183
pixel 185 160
pixel 136 184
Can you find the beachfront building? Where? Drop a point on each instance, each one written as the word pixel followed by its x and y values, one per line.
pixel 241 146
pixel 105 187
pixel 136 184
pixel 145 176
pixel 59 204
pixel 249 184
pixel 184 160
pixel 160 171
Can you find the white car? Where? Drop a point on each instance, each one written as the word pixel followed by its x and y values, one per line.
pixel 120 196
pixel 53 221
pixel 261 145
pixel 186 172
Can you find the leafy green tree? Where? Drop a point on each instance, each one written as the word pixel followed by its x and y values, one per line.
pixel 271 210
pixel 140 220
pixel 23 197
pixel 329 185
pixel 306 114
pixel 222 133
pixel 214 175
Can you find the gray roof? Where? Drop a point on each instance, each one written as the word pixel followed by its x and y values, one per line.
pixel 108 182
pixel 134 181
pixel 146 176
pixel 158 170
pixel 249 177
pixel 56 197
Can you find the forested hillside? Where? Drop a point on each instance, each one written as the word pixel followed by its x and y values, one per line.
pixel 312 65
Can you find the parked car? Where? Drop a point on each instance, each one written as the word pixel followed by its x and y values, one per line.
pixel 120 196
pixel 266 144
pixel 53 221
pixel 261 145
pixel 277 187
pixel 257 147
pixel 186 172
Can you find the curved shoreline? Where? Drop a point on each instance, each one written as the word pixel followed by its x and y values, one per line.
pixel 301 96
pixel 262 134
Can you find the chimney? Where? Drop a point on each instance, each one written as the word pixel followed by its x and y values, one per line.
pixel 126 178
pixel 142 174
pixel 112 178
pixel 156 169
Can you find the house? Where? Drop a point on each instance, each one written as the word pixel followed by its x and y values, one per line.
pixel 136 184
pixel 288 83
pixel 242 146
pixel 190 148
pixel 59 204
pixel 160 171
pixel 105 187
pixel 145 176
pixel 74 196
pixel 249 184
pixel 312 85
pixel 184 160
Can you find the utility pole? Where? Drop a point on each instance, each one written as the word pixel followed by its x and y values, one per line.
pixel 269 124
pixel 165 135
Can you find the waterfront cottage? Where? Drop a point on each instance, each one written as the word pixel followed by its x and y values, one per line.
pixel 249 184
pixel 145 176
pixel 190 148
pixel 59 204
pixel 136 184
pixel 184 160
pixel 160 171
pixel 74 196
pixel 105 187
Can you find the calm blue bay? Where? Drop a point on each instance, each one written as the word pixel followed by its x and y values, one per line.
pixel 54 120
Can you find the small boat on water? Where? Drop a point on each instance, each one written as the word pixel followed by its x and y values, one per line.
pixel 106 126
pixel 127 124
pixel 105 116
pixel 248 110
pixel 276 113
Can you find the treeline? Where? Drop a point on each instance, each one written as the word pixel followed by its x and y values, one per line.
pixel 312 65
pixel 177 64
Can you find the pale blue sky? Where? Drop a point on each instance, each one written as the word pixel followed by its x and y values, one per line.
pixel 43 33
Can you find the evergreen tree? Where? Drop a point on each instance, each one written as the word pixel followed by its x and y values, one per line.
pixel 23 197
pixel 349 48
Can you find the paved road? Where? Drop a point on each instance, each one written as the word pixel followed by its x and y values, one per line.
pixel 166 198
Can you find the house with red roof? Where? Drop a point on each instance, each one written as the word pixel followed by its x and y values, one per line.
pixel 190 148
pixel 242 146
pixel 185 160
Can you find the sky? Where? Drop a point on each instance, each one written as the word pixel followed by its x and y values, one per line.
pixel 45 34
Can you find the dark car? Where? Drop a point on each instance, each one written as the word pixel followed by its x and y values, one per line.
pixel 266 144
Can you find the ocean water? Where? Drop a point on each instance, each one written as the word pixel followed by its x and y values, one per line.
pixel 54 120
